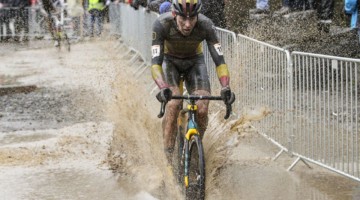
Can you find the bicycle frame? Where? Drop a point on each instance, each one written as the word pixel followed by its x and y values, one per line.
pixel 191 130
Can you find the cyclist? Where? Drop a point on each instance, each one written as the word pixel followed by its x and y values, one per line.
pixel 176 40
pixel 52 8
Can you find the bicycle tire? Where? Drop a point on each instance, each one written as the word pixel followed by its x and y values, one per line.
pixel 67 41
pixel 59 42
pixel 196 188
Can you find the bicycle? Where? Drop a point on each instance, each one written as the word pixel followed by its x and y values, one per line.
pixel 59 30
pixel 189 149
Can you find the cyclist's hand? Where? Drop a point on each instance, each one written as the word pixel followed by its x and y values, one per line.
pixel 227 96
pixel 164 95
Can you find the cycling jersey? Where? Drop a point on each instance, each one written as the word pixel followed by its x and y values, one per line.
pixel 168 41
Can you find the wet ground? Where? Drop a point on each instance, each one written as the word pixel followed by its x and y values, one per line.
pixel 89 131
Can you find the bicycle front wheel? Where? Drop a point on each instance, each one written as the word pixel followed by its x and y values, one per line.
pixel 196 187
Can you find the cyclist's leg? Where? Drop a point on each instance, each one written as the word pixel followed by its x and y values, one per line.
pixel 55 30
pixel 197 83
pixel 202 112
pixel 100 22
pixel 173 107
pixel 91 22
pixel 49 24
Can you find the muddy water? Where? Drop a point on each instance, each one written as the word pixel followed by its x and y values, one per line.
pixel 54 140
pixel 90 132
pixel 72 183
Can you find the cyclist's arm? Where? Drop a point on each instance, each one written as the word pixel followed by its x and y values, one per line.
pixel 157 51
pixel 216 52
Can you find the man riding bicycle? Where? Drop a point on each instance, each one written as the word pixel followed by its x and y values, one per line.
pixel 177 40
pixel 52 9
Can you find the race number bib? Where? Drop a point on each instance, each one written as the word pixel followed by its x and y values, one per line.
pixel 218 49
pixel 155 51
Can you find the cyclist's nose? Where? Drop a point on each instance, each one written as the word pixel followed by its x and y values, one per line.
pixel 187 23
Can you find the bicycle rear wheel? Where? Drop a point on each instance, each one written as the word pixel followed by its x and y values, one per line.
pixel 58 39
pixel 196 188
pixel 67 42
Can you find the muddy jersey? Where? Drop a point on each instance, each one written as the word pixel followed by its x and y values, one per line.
pixel 172 42
pixel 167 40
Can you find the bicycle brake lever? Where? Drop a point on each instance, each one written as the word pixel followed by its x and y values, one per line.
pixel 228 111
pixel 162 110
pixel 229 106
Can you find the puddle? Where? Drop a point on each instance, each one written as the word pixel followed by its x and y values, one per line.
pixel 47 108
pixel 69 183
pixel 12 89
pixel 16 138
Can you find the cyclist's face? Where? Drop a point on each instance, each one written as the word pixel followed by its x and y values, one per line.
pixel 186 24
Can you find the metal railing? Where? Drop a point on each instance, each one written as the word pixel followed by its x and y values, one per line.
pixel 313 100
pixel 265 83
pixel 326 123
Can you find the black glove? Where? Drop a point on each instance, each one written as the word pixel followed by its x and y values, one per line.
pixel 227 96
pixel 164 95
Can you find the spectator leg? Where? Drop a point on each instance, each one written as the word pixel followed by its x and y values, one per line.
pixel 91 24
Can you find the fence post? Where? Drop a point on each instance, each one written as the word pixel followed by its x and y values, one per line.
pixel 290 106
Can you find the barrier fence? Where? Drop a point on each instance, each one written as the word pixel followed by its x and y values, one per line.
pixel 313 100
pixel 327 111
pixel 265 84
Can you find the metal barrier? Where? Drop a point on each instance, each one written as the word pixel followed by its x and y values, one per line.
pixel 37 23
pixel 265 84
pixel 326 123
pixel 137 28
pixel 14 21
pixel 115 19
pixel 313 100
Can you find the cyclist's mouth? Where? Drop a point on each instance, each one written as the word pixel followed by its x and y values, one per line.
pixel 187 31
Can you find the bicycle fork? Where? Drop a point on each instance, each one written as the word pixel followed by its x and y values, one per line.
pixel 191 130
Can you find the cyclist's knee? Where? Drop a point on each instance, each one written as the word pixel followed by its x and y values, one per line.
pixel 174 106
pixel 202 104
pixel 203 108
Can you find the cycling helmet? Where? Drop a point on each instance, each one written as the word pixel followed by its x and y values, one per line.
pixel 187 8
